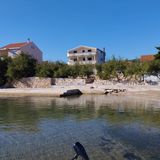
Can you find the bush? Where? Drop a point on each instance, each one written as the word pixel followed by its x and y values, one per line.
pixel 44 70
pixel 62 70
pixel 154 67
pixel 112 69
pixel 157 56
pixel 4 61
pixel 21 66
pixel 51 69
pixel 24 65
pixel 119 68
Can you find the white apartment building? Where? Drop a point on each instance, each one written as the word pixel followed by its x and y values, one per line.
pixel 86 55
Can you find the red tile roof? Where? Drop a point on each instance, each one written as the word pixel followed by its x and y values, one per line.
pixel 147 58
pixel 14 45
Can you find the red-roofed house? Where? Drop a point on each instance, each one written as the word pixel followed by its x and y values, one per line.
pixel 29 48
pixel 147 58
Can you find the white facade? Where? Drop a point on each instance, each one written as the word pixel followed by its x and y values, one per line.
pixel 85 55
pixel 27 48
pixel 33 50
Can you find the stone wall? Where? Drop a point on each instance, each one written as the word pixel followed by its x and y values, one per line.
pixel 68 81
pixel 113 82
pixel 36 82
pixel 32 82
pixel 101 82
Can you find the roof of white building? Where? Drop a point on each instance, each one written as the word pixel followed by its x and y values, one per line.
pixel 83 46
pixel 15 45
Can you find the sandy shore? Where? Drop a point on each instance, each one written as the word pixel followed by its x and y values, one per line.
pixel 57 91
pixel 31 92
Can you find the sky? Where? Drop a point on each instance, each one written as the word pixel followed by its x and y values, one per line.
pixel 126 28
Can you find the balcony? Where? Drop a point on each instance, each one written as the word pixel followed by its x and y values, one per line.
pixel 81 54
pixel 70 62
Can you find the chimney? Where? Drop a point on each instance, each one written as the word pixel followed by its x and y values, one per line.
pixel 28 40
pixel 104 51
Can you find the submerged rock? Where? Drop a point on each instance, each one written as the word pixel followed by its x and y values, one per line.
pixel 116 151
pixel 131 156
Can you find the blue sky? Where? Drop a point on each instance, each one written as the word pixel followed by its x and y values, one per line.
pixel 126 28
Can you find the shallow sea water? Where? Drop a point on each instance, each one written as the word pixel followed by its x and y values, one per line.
pixel 110 127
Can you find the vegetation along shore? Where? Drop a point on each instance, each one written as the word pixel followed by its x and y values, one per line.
pixel 120 74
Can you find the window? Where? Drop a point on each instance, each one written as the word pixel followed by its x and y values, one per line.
pixel 75 59
pixel 74 51
pixel 89 58
pixel 84 59
pixel 89 50
pixel 83 51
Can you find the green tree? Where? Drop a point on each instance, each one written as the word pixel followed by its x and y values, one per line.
pixel 45 69
pixel 112 69
pixel 21 66
pixel 53 70
pixel 157 56
pixel 119 69
pixel 154 67
pixel 62 71
pixel 86 70
pixel 137 70
pixel 4 61
pixel 75 70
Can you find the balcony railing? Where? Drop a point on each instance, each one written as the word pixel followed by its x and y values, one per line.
pixel 81 54
pixel 70 62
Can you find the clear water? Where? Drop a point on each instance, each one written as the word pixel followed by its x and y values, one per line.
pixel 110 127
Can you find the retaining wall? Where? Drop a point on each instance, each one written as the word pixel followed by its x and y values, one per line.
pixel 68 81
pixel 32 82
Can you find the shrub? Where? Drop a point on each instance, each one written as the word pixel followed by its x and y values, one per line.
pixel 4 61
pixel 21 66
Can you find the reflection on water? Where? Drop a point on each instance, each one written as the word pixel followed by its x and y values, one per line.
pixel 110 127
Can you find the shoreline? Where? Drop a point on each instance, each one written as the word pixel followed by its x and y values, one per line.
pixel 61 91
